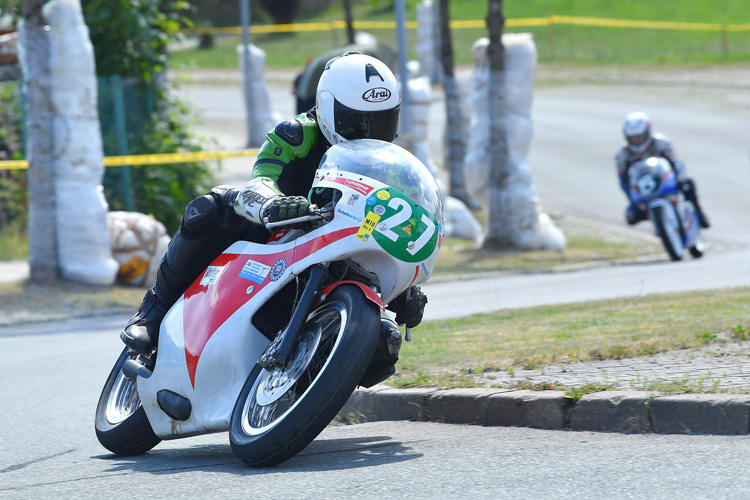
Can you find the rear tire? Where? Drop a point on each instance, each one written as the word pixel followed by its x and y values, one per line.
pixel 279 413
pixel 121 423
pixel 669 234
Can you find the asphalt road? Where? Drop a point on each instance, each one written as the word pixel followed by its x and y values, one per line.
pixel 576 135
pixel 52 374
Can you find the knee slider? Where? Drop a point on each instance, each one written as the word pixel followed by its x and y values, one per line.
pixel 200 212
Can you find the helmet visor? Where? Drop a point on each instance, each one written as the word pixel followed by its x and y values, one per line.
pixel 637 140
pixel 355 124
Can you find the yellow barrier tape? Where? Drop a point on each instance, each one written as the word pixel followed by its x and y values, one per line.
pixel 154 159
pixel 600 22
pixel 626 23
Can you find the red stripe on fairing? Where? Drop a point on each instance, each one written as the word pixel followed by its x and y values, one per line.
pixel 416 273
pixel 206 308
pixel 369 293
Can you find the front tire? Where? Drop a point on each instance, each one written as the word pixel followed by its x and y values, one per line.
pixel 669 233
pixel 279 413
pixel 121 423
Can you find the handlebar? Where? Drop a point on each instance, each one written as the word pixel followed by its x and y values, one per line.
pixel 314 213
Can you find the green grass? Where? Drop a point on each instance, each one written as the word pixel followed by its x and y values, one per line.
pixel 563 43
pixel 23 302
pixel 14 243
pixel 585 244
pixel 449 353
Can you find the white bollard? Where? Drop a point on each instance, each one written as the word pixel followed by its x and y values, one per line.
pixel 261 119
pixel 532 230
pixel 428 40
pixel 83 237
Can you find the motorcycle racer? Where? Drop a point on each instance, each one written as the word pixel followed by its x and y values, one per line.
pixel 642 144
pixel 357 97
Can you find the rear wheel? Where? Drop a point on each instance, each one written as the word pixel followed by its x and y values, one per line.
pixel 278 413
pixel 669 232
pixel 121 423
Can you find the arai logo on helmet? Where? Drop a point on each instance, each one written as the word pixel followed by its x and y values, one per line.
pixel 378 94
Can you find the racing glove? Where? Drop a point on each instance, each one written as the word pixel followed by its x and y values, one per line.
pixel 286 207
pixel 409 312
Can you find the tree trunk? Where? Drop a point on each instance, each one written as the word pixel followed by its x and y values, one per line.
pixel 499 227
pixel 349 21
pixel 35 62
pixel 454 120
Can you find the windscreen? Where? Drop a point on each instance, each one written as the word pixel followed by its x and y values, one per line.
pixel 389 164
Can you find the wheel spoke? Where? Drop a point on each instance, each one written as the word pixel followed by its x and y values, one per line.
pixel 265 407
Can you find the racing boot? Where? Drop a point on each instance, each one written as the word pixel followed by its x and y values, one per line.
pixel 141 334
pixel 702 219
pixel 687 186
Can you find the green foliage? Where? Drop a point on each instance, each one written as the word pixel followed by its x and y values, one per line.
pixel 579 392
pixel 164 190
pixel 13 196
pixel 704 338
pixel 740 333
pixel 130 37
pixel 282 11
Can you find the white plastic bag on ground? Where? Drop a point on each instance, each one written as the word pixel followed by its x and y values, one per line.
pixel 82 235
pixel 138 244
pixel 532 230
pixel 459 221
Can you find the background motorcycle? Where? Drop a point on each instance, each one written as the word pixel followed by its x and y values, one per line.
pixel 271 340
pixel 654 188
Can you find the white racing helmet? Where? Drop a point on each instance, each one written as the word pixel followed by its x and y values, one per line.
pixel 357 98
pixel 637 130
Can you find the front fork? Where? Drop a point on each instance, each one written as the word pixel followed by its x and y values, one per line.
pixel 277 354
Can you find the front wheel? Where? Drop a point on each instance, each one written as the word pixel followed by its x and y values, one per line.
pixel 669 232
pixel 278 413
pixel 121 423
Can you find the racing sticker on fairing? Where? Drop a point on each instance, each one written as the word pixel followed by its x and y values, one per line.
pixel 211 275
pixel 255 271
pixel 400 225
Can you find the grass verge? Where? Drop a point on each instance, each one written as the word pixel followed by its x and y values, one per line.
pixel 14 243
pixel 453 353
pixel 585 244
pixel 563 43
pixel 23 302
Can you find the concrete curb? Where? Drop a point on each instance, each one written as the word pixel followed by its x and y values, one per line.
pixel 610 411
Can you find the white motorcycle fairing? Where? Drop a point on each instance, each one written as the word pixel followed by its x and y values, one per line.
pixel 207 343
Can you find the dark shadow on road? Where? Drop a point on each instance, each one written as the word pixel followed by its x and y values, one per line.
pixel 321 455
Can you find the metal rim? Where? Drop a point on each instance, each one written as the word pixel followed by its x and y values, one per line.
pixel 123 400
pixel 329 323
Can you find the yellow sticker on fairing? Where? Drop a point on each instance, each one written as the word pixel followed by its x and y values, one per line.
pixel 368 226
